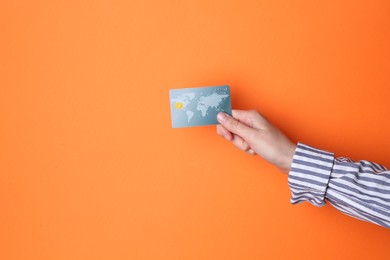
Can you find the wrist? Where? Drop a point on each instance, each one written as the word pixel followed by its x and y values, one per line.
pixel 288 154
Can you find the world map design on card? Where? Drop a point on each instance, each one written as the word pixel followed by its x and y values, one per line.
pixel 199 106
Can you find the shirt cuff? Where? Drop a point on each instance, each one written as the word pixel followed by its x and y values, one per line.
pixel 309 175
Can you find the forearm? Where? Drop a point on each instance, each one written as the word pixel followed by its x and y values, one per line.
pixel 359 189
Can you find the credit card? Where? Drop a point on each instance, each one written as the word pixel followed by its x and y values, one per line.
pixel 199 106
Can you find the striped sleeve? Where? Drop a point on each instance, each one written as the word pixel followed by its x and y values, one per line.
pixel 359 189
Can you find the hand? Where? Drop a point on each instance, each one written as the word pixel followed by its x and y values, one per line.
pixel 251 132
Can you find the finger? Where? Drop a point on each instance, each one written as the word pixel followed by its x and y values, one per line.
pixel 240 143
pixel 235 126
pixel 222 131
pixel 244 116
pixel 235 139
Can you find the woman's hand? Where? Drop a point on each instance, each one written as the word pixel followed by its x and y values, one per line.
pixel 252 133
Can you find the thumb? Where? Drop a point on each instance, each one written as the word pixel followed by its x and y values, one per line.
pixel 234 125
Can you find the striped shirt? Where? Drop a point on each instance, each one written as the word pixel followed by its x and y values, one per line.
pixel 359 189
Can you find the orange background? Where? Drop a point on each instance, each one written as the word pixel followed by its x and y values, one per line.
pixel 90 167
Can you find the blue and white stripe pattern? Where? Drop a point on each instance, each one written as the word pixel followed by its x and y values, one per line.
pixel 359 189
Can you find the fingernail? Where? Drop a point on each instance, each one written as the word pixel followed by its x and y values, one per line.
pixel 250 151
pixel 221 116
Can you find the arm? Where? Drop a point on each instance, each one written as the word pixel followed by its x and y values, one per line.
pixel 359 189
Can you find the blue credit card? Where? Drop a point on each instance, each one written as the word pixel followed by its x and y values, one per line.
pixel 199 106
